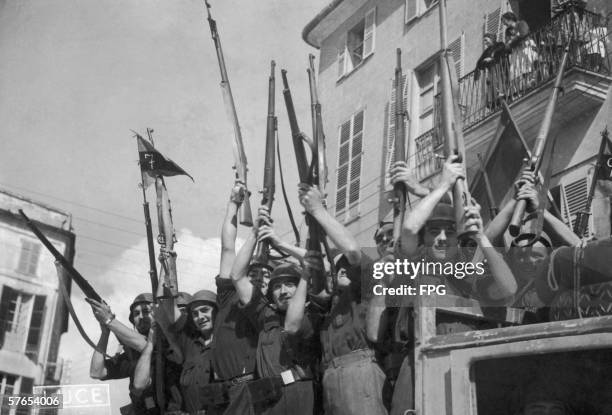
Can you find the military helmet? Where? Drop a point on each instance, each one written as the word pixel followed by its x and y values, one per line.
pixel 143 298
pixel 286 271
pixel 205 296
pixel 183 298
pixel 443 211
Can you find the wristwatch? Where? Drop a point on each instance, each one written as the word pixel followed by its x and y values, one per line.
pixel 109 320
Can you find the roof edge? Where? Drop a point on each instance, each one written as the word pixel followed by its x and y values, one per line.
pixel 316 20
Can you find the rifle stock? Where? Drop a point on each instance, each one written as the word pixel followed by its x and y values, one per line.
pixel 245 215
pixel 263 248
pixel 166 237
pixel 452 126
pixel 542 140
pixel 79 280
pixel 399 188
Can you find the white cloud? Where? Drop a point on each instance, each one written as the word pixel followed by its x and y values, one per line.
pixel 197 265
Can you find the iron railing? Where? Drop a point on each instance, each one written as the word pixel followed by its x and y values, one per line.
pixel 531 64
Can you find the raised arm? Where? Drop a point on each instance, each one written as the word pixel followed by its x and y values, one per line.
pixel 312 200
pixel 126 335
pixel 268 232
pixel 229 231
pixel 97 368
pixel 559 231
pixel 244 287
pixel 416 218
pixel 503 284
pixel 142 371
pixel 297 303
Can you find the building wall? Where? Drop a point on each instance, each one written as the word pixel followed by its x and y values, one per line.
pixel 369 87
pixel 29 292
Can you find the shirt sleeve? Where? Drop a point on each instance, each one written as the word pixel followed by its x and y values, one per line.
pixel 225 291
pixel 117 367
pixel 255 310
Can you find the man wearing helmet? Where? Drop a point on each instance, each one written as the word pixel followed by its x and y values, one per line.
pixel 190 346
pixel 124 364
pixel 286 332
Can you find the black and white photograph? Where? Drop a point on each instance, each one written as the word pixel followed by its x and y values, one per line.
pixel 320 207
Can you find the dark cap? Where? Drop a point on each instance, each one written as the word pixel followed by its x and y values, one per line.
pixel 205 296
pixel 442 212
pixel 143 298
pixel 183 298
pixel 286 271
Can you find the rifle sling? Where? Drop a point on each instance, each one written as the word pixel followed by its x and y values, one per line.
pixel 66 296
pixel 289 211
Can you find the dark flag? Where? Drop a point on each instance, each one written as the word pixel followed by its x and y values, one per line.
pixel 153 163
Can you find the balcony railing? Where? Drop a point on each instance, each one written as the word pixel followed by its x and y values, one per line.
pixel 530 65
pixel 534 62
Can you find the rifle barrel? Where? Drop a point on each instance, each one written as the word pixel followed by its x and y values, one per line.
pixel 542 140
pixel 83 284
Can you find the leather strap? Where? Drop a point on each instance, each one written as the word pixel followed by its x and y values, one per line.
pixel 66 296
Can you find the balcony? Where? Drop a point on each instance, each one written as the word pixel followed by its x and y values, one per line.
pixel 523 74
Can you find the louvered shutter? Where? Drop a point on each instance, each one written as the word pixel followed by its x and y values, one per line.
pixel 574 197
pixel 36 326
pixel 493 24
pixel 390 142
pixel 411 10
pixel 343 167
pixel 356 150
pixel 341 61
pixel 369 33
pixel 28 258
pixel 456 48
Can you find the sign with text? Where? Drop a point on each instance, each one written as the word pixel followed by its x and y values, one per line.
pixel 80 399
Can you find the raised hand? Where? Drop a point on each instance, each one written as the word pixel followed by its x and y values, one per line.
pixel 452 170
pixel 310 197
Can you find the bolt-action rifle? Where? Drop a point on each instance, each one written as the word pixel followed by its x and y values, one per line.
pixel 535 161
pixel 263 248
pixel 240 161
pixel 399 188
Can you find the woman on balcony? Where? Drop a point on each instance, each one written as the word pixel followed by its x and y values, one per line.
pixel 522 51
pixel 490 64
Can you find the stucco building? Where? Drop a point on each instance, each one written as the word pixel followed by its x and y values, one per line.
pixel 357 42
pixel 32 313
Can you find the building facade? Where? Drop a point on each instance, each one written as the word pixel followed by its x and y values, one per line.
pixel 32 313
pixel 358 42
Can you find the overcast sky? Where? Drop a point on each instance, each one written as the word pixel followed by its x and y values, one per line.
pixel 77 75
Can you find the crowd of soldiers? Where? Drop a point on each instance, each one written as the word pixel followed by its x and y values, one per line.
pixel 266 343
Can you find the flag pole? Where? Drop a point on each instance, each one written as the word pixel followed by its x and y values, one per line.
pixel 582 217
pixel 147 216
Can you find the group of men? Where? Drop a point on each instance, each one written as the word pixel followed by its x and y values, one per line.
pixel 265 343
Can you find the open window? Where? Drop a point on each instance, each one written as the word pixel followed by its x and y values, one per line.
pixel 359 44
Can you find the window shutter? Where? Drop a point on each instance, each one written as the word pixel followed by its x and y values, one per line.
pixel 390 141
pixel 341 61
pixel 493 23
pixel 28 259
pixel 5 316
pixel 343 166
pixel 411 10
pixel 369 32
pixel 36 325
pixel 456 48
pixel 574 197
pixel 356 149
